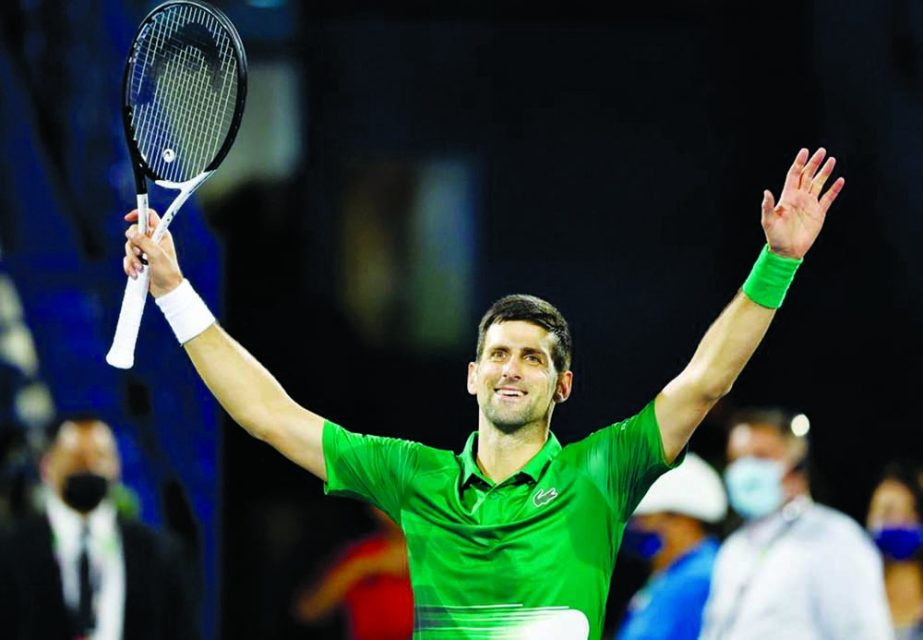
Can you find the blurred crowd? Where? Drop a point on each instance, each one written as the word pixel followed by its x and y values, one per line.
pixel 780 565
pixel 746 555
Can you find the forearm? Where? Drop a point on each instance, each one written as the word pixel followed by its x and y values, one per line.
pixel 255 400
pixel 726 348
pixel 720 357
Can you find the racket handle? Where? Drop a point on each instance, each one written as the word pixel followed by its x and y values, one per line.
pixel 142 213
pixel 122 353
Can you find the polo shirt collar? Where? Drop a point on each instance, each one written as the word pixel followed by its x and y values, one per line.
pixel 533 468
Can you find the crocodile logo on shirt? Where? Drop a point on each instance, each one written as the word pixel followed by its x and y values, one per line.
pixel 542 497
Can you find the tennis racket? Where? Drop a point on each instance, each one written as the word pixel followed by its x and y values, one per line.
pixel 184 91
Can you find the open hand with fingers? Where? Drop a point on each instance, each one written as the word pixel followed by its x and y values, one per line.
pixel 792 225
pixel 161 257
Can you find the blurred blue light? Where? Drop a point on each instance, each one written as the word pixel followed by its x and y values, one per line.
pixel 266 4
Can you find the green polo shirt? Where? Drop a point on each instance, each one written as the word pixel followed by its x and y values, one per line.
pixel 530 557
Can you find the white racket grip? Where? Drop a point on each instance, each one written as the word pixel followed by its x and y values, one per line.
pixel 142 213
pixel 122 353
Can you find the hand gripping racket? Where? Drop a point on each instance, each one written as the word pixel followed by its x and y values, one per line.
pixel 184 90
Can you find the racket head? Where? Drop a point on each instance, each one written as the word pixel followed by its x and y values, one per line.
pixel 183 92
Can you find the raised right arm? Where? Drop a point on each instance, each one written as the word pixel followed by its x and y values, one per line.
pixel 245 389
pixel 255 399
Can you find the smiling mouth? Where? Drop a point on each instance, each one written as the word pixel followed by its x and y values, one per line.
pixel 506 392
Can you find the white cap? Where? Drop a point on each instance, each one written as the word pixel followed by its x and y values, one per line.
pixel 693 489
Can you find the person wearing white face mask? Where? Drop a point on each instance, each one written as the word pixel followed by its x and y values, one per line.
pixel 795 570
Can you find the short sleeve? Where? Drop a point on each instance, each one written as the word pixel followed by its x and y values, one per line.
pixel 625 458
pixel 373 469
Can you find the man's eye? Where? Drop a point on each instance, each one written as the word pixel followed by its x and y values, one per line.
pixel 534 358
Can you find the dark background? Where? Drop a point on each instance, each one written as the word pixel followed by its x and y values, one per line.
pixel 619 157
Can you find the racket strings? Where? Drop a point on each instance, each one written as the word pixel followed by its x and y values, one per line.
pixel 184 87
pixel 194 98
pixel 197 121
pixel 182 92
pixel 185 59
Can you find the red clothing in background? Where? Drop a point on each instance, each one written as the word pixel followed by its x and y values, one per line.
pixel 379 607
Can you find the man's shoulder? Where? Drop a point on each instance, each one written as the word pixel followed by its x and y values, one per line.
pixel 26 548
pixel 423 458
pixel 633 424
pixel 30 529
pixel 426 457
pixel 23 542
pixel 418 449
pixel 131 528
pixel 700 561
pixel 154 545
pixel 432 462
pixel 827 524
pixel 733 549
pixel 818 523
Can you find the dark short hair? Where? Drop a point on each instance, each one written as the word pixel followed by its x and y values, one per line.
pixel 53 428
pixel 777 419
pixel 907 473
pixel 539 312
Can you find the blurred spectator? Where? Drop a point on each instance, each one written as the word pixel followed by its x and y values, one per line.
pixel 370 583
pixel 894 522
pixel 80 571
pixel 669 528
pixel 17 473
pixel 795 569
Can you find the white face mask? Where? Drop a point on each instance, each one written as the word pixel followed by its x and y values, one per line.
pixel 754 486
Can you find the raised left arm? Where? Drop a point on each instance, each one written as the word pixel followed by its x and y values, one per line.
pixel 791 227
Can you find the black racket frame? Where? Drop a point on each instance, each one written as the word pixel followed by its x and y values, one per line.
pixel 140 168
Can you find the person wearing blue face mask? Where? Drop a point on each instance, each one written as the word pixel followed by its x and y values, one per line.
pixel 670 528
pixel 794 569
pixel 893 521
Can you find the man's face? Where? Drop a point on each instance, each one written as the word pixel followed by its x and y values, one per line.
pixel 657 523
pixel 515 380
pixel 80 447
pixel 764 441
pixel 757 441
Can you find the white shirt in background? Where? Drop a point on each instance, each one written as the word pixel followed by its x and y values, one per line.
pixel 806 572
pixel 107 566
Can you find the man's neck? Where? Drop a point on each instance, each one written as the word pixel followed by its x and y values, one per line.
pixel 501 455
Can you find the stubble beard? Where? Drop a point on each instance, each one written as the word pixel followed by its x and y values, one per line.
pixel 509 420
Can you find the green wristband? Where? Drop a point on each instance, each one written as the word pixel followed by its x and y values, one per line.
pixel 770 278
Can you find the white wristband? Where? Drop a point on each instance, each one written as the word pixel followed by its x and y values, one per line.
pixel 186 312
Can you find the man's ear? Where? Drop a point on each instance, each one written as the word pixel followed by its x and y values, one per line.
pixel 564 386
pixel 473 378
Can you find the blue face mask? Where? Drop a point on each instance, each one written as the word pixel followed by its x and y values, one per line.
pixel 640 543
pixel 898 543
pixel 754 486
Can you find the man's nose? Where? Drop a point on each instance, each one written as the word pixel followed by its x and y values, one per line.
pixel 88 459
pixel 511 369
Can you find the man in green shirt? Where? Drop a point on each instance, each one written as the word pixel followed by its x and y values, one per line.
pixel 516 537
